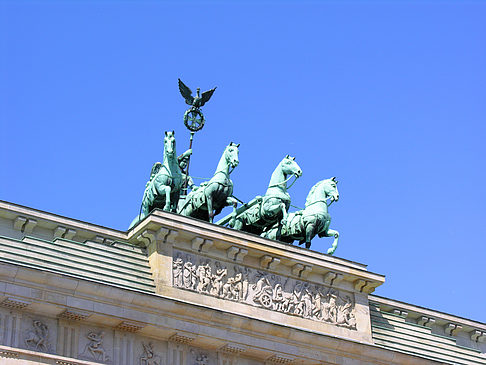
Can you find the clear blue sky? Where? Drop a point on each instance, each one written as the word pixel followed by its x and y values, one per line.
pixel 387 96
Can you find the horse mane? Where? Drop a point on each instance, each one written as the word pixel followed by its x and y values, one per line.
pixel 312 191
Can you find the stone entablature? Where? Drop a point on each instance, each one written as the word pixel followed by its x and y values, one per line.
pixel 56 317
pixel 465 332
pixel 211 265
pixel 176 331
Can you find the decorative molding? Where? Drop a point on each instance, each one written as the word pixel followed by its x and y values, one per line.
pixel 296 269
pixel 269 262
pixel 181 338
pixel 365 286
pixel 19 223
pixel 167 235
pixel 452 329
pixel 301 271
pixel 400 312
pixel 233 348
pixel 146 237
pixel 62 362
pixel 130 326
pixel 99 239
pixel 197 243
pixel 59 232
pixel 63 232
pixel 9 354
pixel 103 240
pixel 15 303
pixel 24 225
pixel 29 226
pixel 478 336
pixel 305 273
pixel 236 254
pixel 280 359
pixel 74 315
pixel 426 321
pixel 70 233
pixel 200 244
pixel 331 278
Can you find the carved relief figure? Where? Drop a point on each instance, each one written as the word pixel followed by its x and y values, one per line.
pixel 149 357
pixel 205 276
pixel 202 359
pixel 233 288
pixel 187 274
pixel 307 304
pixel 263 291
pixel 345 315
pixel 199 358
pixel 259 288
pixel 37 339
pixel 217 288
pixel 177 269
pixel 329 310
pixel 281 300
pixel 193 277
pixel 95 347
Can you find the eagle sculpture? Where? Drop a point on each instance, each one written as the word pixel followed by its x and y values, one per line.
pixel 195 101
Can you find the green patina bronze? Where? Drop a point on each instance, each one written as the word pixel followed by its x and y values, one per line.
pixel 193 117
pixel 305 224
pixel 264 212
pixel 164 186
pixel 264 215
pixel 212 196
pixel 194 121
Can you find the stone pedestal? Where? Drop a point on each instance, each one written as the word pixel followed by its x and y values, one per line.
pixel 252 277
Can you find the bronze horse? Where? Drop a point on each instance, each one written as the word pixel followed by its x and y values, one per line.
pixel 213 195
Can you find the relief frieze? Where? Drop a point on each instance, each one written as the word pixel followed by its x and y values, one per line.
pixel 262 289
pixel 37 339
pixel 95 349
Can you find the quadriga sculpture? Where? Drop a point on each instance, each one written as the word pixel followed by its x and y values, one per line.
pixel 164 186
pixel 212 196
pixel 272 208
pixel 305 224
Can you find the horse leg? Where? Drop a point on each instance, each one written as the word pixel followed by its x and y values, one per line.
pixel 175 200
pixel 309 234
pixel 329 233
pixel 232 201
pixel 282 223
pixel 167 198
pixel 284 214
pixel 209 203
pixel 236 223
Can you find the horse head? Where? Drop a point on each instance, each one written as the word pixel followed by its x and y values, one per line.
pixel 290 167
pixel 169 144
pixel 231 154
pixel 330 188
pixel 323 190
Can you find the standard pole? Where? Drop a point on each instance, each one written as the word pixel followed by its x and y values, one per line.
pixel 188 161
